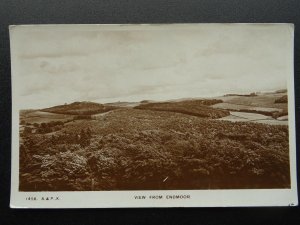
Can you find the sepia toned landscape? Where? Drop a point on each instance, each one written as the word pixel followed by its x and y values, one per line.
pixel 235 141
pixel 152 107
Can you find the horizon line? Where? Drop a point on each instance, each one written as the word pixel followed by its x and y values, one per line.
pixel 283 90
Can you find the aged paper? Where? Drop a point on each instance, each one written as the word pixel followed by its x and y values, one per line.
pixel 174 115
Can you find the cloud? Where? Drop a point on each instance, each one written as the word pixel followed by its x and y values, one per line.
pixel 61 64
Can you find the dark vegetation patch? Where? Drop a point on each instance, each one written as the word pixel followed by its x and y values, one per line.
pixel 80 108
pixel 245 95
pixel 42 128
pixel 145 101
pixel 283 99
pixel 132 149
pixel 198 108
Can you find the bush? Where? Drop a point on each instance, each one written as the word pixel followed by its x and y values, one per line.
pixel 155 150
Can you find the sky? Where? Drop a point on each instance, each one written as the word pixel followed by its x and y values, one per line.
pixel 53 65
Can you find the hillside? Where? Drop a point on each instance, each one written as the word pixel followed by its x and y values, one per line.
pixel 200 108
pixel 182 144
pixel 265 100
pixel 129 149
pixel 80 108
pixel 274 105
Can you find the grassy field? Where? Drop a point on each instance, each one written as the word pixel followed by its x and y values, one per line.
pixel 268 108
pixel 265 100
pixel 146 149
pixel 255 118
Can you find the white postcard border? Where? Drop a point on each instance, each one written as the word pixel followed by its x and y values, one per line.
pixel 117 199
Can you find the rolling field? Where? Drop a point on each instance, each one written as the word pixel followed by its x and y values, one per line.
pixel 199 108
pixel 267 108
pixel 254 118
pixel 37 116
pixel 265 100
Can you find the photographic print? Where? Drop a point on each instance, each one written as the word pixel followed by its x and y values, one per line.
pixel 156 115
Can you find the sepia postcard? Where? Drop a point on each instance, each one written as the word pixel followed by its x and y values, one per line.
pixel 153 115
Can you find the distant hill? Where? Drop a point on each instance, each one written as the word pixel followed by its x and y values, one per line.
pixel 282 99
pixel 281 91
pixel 122 104
pixel 200 108
pixel 80 108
